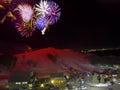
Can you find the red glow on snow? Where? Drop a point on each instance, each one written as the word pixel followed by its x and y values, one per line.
pixel 51 60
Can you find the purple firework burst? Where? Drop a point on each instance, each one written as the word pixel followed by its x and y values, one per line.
pixel 41 23
pixel 54 12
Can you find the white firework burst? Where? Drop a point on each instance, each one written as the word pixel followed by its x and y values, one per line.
pixel 26 12
pixel 42 8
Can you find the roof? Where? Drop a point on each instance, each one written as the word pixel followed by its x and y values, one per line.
pixel 19 77
pixel 57 75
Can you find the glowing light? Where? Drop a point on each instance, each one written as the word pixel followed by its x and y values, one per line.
pixel 54 12
pixel 52 81
pixel 31 16
pixel 40 23
pixel 43 31
pixel 26 24
pixel 42 85
pixel 48 9
pixel 2 7
pixel 26 12
pixel 25 29
pixel 5 6
pixel 18 82
pixel 7 1
pixel 30 86
pixel 42 8
pixel 48 12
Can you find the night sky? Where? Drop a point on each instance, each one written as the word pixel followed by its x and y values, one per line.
pixel 83 24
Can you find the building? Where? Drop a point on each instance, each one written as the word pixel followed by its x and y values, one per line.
pixel 57 79
pixel 21 81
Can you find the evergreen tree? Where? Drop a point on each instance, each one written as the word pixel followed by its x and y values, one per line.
pixel 102 79
pixel 118 71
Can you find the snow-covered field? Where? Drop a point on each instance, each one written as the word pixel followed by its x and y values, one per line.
pixel 49 60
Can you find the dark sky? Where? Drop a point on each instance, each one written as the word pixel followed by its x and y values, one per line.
pixel 83 24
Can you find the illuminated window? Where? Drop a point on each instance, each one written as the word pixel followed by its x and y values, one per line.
pixel 42 85
pixel 24 82
pixel 30 86
pixel 18 82
pixel 52 81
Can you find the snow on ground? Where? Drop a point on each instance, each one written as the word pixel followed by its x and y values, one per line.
pixel 50 60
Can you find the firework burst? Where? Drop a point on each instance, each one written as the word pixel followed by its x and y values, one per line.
pixel 25 29
pixel 54 12
pixel 47 13
pixel 26 12
pixel 5 6
pixel 49 10
pixel 40 23
pixel 42 8
pixel 26 24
